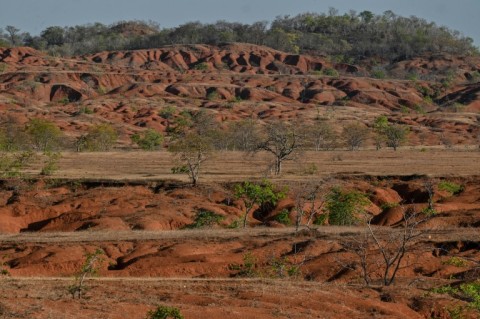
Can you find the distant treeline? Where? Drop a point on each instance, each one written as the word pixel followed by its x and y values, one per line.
pixel 347 37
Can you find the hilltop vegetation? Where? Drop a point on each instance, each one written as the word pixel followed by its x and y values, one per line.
pixel 344 37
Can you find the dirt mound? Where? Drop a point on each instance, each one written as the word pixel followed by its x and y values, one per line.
pixel 233 81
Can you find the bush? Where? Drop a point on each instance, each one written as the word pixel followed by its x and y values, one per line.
pixel 247 269
pixel 283 217
pixel 43 134
pixel 99 138
pixel 330 72
pixel 343 207
pixel 202 66
pixel 51 163
pixel 164 312
pixel 467 291
pixel 149 140
pixel 450 187
pixel 205 218
pixel 11 164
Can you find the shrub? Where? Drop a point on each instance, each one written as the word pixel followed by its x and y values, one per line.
pixel 12 164
pixel 283 217
pixel 202 66
pixel 343 207
pixel 455 261
pixel 100 138
pixel 164 312
pixel 205 218
pixel 149 140
pixel 212 95
pixel 247 269
pixel 467 291
pixel 330 72
pixel 167 112
pixel 450 187
pixel 51 163
pixel 44 135
pixel 183 169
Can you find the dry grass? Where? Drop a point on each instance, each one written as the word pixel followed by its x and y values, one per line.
pixel 330 232
pixel 236 166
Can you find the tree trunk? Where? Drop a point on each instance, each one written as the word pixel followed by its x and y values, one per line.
pixel 278 166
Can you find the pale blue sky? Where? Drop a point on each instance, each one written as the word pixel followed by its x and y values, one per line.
pixel 35 15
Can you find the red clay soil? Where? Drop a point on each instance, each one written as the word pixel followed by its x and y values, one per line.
pixel 53 205
pixel 130 88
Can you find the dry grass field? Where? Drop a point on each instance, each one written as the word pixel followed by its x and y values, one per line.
pixel 238 166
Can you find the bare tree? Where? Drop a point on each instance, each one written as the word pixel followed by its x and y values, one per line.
pixel 354 135
pixel 321 136
pixel 282 140
pixel 309 202
pixel 192 150
pixel 383 252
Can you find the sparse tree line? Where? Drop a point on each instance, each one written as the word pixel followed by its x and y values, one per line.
pixel 346 37
pixel 193 135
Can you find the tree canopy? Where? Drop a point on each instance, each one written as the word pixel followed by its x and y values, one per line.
pixel 345 37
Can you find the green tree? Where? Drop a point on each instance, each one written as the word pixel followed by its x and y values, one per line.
pixel 44 135
pixel 149 140
pixel 395 135
pixel 260 194
pixel 343 207
pixel 379 126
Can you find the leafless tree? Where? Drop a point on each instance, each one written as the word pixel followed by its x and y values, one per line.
pixel 321 136
pixel 354 135
pixel 383 252
pixel 282 140
pixel 192 150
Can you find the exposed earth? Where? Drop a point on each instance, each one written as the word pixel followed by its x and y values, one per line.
pixel 131 206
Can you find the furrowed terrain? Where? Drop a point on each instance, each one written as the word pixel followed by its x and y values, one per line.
pixel 144 218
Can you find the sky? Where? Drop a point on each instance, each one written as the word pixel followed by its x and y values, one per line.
pixel 35 15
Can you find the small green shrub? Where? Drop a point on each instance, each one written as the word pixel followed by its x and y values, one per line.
pixel 85 110
pixel 450 187
pixel 386 206
pixel 202 66
pixel 205 218
pixel 283 217
pixel 311 169
pixel 235 224
pixel 167 112
pixel 378 74
pixel 165 312
pixel 183 169
pixel 282 267
pixel 50 164
pixel 149 140
pixel 11 164
pixel 456 261
pixel 248 268
pixel 467 291
pixel 213 95
pixel 330 72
